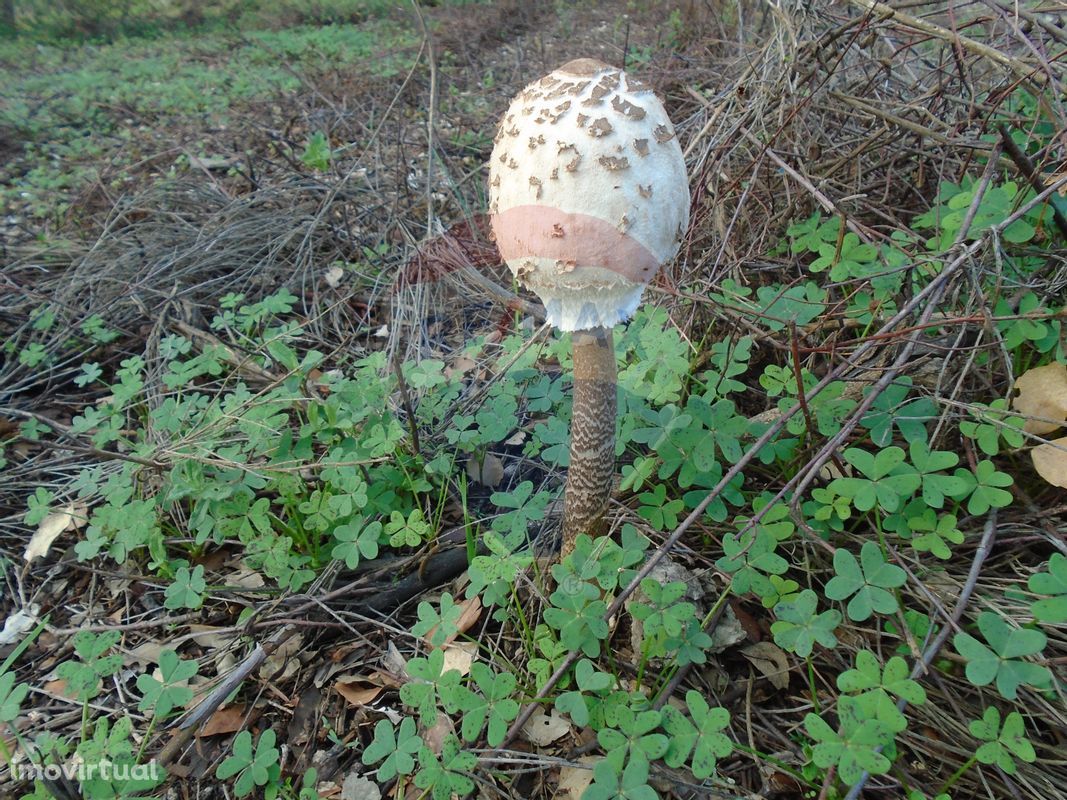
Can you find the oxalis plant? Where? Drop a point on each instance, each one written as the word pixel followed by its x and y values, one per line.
pixel 832 569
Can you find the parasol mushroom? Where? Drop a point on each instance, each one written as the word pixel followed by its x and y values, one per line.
pixel 588 198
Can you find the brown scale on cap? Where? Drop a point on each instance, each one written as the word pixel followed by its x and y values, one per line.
pixel 583 67
pixel 627 109
pixel 601 127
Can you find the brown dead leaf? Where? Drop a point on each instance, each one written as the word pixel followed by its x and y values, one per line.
pixel 356 693
pixel 1050 461
pixel 472 610
pixel 771 660
pixel 225 720
pixel 1042 398
pixel 146 653
pixel 58 686
pixel 460 367
pixel 489 473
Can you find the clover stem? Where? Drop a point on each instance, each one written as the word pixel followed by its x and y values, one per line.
pixel 592 463
pixel 811 685
pixel 957 775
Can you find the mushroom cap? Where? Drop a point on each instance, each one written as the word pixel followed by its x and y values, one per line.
pixel 588 193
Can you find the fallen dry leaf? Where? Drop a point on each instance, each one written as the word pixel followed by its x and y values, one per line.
pixel 358 694
pixel 460 367
pixel 356 787
pixel 771 660
pixel 489 473
pixel 211 637
pixel 284 661
pixel 333 276
pixel 58 686
pixel 459 657
pixel 70 517
pixel 225 720
pixel 542 729
pixel 728 631
pixel 19 623
pixel 1050 461
pixel 1042 398
pixel 573 781
pixel 434 736
pixel 146 653
pixel 472 610
pixel 393 662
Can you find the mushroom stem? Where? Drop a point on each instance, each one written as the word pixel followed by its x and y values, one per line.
pixel 592 467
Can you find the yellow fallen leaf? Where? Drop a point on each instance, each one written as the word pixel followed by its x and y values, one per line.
pixel 1042 398
pixel 1050 461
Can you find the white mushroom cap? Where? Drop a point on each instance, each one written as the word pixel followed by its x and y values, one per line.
pixel 588 192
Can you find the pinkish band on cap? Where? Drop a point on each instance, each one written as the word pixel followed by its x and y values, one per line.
pixel 533 231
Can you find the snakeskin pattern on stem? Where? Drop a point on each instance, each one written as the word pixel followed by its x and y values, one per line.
pixel 592 468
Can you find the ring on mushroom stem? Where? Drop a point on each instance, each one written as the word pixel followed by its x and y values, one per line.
pixel 588 197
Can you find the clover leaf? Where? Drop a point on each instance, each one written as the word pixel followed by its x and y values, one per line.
pixel 397 747
pixel 867 581
pixel 798 627
pixel 702 737
pixel 989 491
pixel 634 735
pixel 574 703
pixel 613 781
pixel 187 591
pixel 356 541
pixel 441 626
pixel 429 684
pixel 11 696
pixel 855 748
pixel 890 409
pixel 932 533
pixel 893 679
pixel 936 484
pixel 578 615
pixel 446 776
pixel 253 767
pixel 751 559
pixel 1054 582
pixel 494 704
pixel 1002 745
pixel 888 479
pixel 171 692
pixel 1000 659
pixel 994 424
